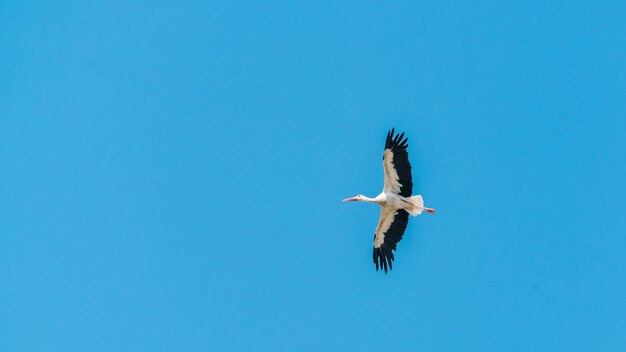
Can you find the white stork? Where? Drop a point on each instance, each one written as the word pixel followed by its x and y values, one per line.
pixel 395 199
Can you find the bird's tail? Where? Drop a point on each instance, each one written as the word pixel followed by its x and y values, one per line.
pixel 416 206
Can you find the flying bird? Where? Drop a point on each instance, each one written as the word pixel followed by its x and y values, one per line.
pixel 395 199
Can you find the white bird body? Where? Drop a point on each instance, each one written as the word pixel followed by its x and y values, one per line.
pixel 388 199
pixel 395 199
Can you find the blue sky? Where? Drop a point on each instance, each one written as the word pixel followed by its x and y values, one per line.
pixel 172 175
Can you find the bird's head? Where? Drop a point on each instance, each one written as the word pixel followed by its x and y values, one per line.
pixel 357 198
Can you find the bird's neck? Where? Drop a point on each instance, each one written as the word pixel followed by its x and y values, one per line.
pixel 371 200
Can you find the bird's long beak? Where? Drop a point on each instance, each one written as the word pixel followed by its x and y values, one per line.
pixel 351 199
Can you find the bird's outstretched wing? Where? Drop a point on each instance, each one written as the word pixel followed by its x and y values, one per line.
pixel 389 232
pixel 396 165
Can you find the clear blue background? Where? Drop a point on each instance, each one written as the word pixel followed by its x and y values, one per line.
pixel 171 175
